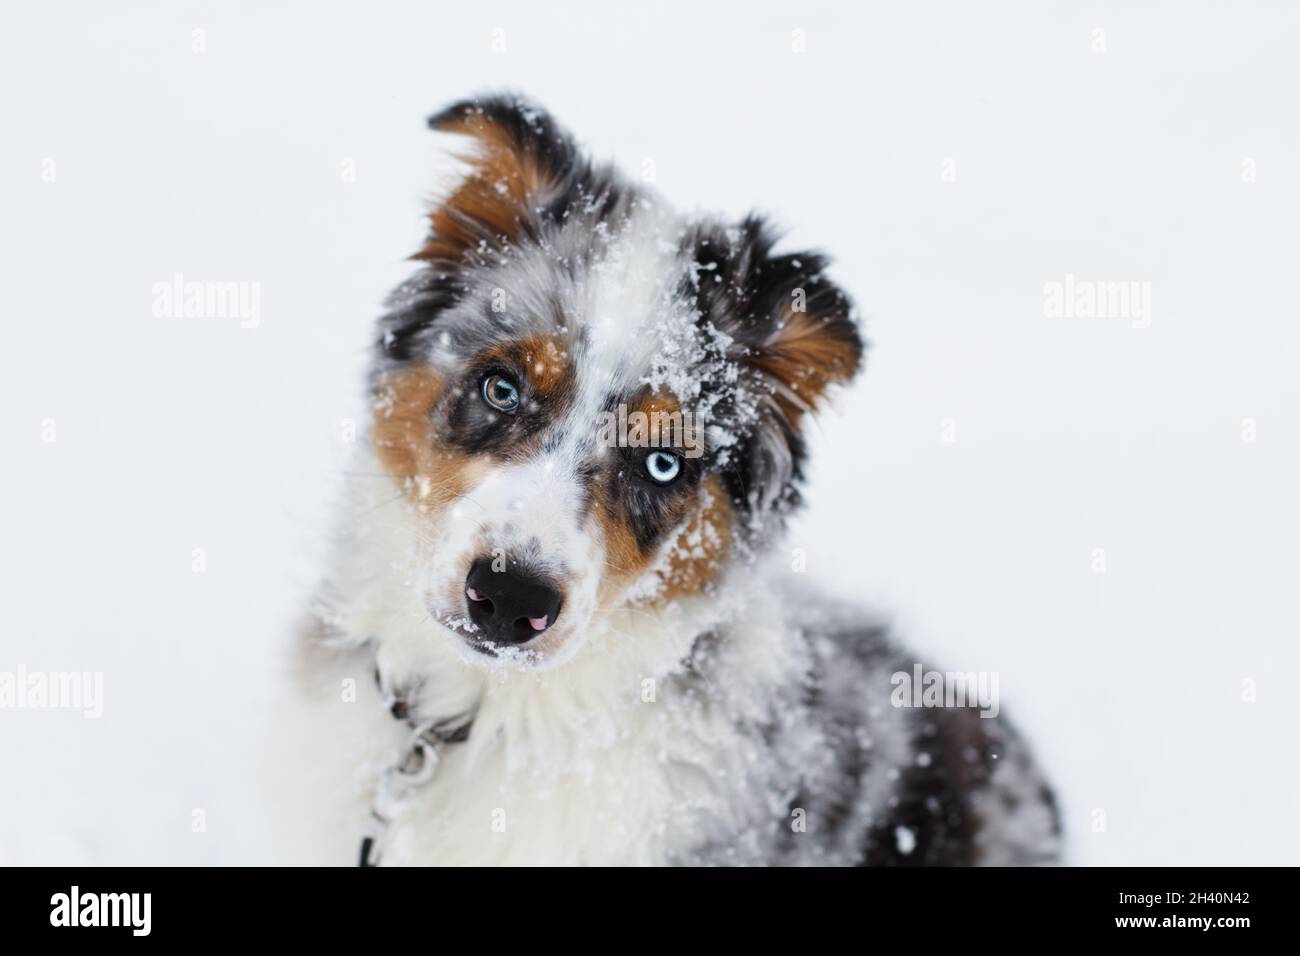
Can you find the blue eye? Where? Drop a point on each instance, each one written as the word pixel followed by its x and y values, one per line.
pixel 663 467
pixel 500 393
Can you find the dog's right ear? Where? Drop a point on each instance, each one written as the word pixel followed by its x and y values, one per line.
pixel 521 165
pixel 793 336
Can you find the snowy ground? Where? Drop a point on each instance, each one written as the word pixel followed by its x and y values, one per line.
pixel 953 160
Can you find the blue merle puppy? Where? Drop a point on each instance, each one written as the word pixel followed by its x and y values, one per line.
pixel 560 612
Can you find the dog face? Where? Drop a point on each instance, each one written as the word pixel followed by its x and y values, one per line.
pixel 589 402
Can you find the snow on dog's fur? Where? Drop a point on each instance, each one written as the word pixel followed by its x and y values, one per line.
pixel 535 647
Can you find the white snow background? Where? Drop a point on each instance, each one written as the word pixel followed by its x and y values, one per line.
pixel 1071 434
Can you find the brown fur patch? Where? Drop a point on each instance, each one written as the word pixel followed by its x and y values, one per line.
pixel 430 475
pixel 651 402
pixel 696 553
pixel 700 550
pixel 669 428
pixel 807 355
pixel 493 200
pixel 544 360
pixel 624 561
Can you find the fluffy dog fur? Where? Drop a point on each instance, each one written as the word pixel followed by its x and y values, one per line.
pixel 688 703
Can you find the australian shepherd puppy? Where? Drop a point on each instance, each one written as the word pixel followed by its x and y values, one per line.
pixel 560 626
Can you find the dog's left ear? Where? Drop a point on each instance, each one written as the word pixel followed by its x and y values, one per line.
pixel 811 342
pixel 521 162
pixel 794 335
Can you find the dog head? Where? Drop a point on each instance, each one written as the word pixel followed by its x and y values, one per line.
pixel 589 402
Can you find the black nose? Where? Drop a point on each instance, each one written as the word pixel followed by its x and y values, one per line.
pixel 508 606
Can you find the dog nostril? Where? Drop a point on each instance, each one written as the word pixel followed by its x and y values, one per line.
pixel 526 628
pixel 480 609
